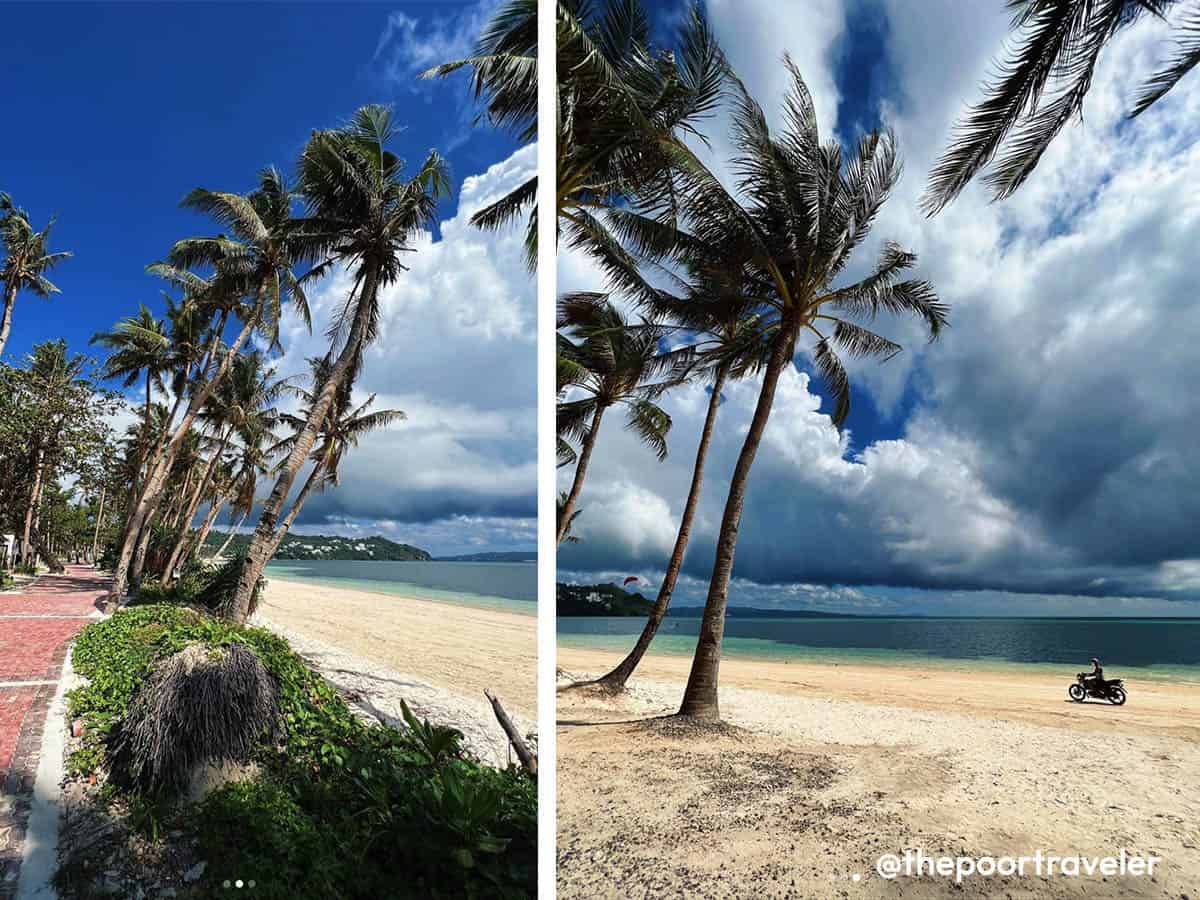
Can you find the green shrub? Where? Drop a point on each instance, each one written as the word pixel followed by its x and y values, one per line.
pixel 340 809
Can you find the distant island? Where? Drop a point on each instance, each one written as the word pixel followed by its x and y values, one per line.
pixel 503 556
pixel 611 600
pixel 319 546
pixel 599 600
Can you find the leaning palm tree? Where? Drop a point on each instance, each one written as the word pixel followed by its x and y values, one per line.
pixel 611 363
pixel 777 253
pixel 344 425
pixel 253 279
pixel 243 401
pixel 727 350
pixel 26 261
pixel 504 73
pixel 256 447
pixel 363 214
pixel 1041 87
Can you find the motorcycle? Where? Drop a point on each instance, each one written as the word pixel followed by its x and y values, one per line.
pixel 1113 691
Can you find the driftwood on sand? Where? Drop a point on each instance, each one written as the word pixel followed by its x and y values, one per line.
pixel 528 759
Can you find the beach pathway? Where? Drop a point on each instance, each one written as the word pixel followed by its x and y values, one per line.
pixel 36 627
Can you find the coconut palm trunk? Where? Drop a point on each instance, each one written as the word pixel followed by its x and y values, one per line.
pixel 615 680
pixel 581 467
pixel 261 548
pixel 314 478
pixel 10 300
pixel 181 539
pixel 232 534
pixel 700 696
pixel 35 496
pixel 99 519
pixel 152 490
pixel 214 510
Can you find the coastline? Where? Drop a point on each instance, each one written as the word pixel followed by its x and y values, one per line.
pixel 672 644
pixel 437 656
pixel 826 766
pixel 278 571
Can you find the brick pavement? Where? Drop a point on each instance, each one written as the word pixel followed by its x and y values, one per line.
pixel 36 628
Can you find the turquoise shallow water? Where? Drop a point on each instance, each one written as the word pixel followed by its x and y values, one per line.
pixel 507 586
pixel 1144 648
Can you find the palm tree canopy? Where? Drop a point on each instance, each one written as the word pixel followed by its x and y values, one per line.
pixel 1040 85
pixel 27 257
pixel 504 68
pixel 772 252
pixel 344 425
pixel 361 209
pixel 139 344
pixel 612 361
pixel 267 241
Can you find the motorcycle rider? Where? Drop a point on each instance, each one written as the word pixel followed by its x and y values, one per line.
pixel 1094 680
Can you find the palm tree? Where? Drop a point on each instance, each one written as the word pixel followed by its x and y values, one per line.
pixel 612 363
pixel 26 261
pixel 363 214
pixel 728 354
pixel 776 257
pixel 139 344
pixel 238 404
pixel 624 107
pixel 504 71
pixel 256 263
pixel 256 446
pixel 342 429
pixel 1059 46
pixel 568 538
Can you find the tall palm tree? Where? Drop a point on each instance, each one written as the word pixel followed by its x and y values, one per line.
pixel 363 214
pixel 139 348
pixel 612 363
pixel 26 261
pixel 504 72
pixel 256 263
pixel 1058 47
pixel 138 344
pixel 777 253
pixel 726 353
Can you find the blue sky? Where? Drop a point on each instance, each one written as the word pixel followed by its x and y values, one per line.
pixel 1040 457
pixel 127 107
pixel 124 108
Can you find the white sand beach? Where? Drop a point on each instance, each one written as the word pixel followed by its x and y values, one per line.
pixel 829 766
pixel 439 657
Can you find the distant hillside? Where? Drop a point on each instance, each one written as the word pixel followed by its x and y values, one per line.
pixel 319 546
pixel 599 600
pixel 506 556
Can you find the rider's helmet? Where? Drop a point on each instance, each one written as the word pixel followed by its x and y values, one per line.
pixel 1094 661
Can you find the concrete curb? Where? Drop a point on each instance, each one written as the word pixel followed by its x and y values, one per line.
pixel 40 850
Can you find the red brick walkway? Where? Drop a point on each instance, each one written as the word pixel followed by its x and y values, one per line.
pixel 36 626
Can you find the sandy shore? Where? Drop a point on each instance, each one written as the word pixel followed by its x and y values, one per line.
pixel 438 657
pixel 829 766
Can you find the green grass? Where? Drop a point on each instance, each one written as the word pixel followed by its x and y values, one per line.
pixel 339 809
